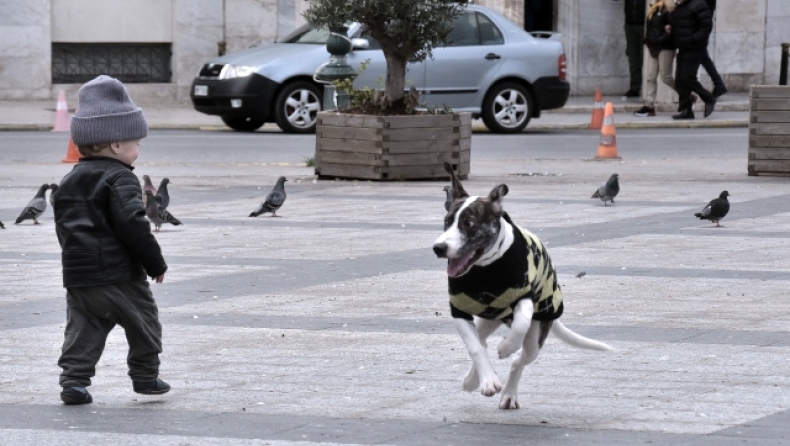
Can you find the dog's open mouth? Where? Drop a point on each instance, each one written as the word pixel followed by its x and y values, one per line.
pixel 458 266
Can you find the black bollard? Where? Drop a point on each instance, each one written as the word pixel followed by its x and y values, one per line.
pixel 783 64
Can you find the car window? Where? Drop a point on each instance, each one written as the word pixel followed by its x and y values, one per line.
pixel 489 33
pixel 465 32
pixel 373 44
pixel 307 34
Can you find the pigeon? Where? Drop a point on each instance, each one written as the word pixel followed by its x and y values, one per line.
pixel 148 185
pixel 608 190
pixel 448 202
pixel 162 196
pixel 158 215
pixel 716 209
pixel 2 226
pixel 35 207
pixel 52 189
pixel 273 201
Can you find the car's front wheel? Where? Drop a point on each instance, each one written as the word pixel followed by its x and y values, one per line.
pixel 297 107
pixel 507 108
pixel 242 124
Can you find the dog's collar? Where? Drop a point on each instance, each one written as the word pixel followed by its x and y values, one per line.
pixel 500 246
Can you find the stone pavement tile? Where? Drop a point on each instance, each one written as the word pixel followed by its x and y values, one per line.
pixel 660 387
pixel 682 251
pixel 737 304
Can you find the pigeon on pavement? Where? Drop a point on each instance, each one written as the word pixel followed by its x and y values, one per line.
pixel 147 185
pixel 162 196
pixel 448 201
pixel 273 201
pixel 158 215
pixel 2 226
pixel 608 190
pixel 716 209
pixel 35 207
pixel 52 189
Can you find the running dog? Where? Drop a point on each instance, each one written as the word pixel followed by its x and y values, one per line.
pixel 499 273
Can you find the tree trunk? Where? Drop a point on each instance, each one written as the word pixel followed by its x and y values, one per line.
pixel 395 84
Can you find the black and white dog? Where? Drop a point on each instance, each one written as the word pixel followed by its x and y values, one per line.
pixel 499 273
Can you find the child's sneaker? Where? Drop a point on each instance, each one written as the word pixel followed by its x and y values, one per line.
pixel 155 387
pixel 645 111
pixel 75 395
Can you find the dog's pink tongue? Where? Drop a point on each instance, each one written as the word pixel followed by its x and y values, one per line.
pixel 456 266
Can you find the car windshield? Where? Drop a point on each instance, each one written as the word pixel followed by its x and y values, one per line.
pixel 307 34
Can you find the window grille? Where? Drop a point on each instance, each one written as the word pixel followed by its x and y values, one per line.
pixel 76 63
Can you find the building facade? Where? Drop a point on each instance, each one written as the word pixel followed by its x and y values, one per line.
pixel 157 46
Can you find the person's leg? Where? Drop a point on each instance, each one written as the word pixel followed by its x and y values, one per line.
pixel 718 84
pixel 651 85
pixel 665 61
pixel 85 337
pixel 684 94
pixel 138 315
pixel 691 67
pixel 633 49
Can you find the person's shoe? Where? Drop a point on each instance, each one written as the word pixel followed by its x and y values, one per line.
pixel 645 111
pixel 685 114
pixel 155 387
pixel 709 107
pixel 75 395
pixel 719 91
pixel 631 94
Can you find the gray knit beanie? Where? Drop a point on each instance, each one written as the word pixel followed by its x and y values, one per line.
pixel 106 113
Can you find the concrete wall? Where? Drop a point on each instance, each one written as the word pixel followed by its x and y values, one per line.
pixel 25 50
pixel 86 21
pixel 777 30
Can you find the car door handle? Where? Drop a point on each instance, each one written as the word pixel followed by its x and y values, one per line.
pixel 492 56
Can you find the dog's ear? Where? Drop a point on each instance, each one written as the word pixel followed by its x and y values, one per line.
pixel 495 198
pixel 458 188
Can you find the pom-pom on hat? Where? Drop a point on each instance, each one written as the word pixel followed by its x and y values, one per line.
pixel 106 114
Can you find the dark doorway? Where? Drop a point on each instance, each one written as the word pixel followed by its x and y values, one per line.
pixel 539 15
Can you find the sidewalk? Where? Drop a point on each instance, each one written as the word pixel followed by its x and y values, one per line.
pixel 732 110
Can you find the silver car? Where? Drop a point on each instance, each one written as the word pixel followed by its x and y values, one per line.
pixel 491 68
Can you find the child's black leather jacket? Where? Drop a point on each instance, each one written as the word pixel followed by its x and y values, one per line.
pixel 101 226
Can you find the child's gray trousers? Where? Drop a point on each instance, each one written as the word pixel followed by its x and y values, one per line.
pixel 92 312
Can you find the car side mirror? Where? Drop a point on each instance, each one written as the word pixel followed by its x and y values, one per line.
pixel 359 43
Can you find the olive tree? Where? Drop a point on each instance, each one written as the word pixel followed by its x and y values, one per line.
pixel 405 29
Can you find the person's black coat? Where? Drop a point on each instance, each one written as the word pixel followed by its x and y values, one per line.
pixel 101 226
pixel 656 37
pixel 692 23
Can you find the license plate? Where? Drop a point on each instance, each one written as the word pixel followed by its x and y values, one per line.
pixel 201 90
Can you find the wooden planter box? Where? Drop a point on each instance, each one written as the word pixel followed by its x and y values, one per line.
pixel 391 147
pixel 769 130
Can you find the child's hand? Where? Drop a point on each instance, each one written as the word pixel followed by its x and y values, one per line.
pixel 160 278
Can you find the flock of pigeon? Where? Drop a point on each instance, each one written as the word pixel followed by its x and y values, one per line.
pixel 714 211
pixel 156 201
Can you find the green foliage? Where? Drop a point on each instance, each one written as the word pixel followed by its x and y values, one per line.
pixel 309 161
pixel 406 30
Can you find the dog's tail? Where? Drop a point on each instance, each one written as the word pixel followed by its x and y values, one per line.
pixel 569 337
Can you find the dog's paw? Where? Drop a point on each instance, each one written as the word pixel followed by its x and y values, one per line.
pixel 508 346
pixel 471 380
pixel 491 387
pixel 509 402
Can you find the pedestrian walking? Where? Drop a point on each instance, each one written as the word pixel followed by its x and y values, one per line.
pixel 107 245
pixel 690 24
pixel 719 89
pixel 634 44
pixel 661 54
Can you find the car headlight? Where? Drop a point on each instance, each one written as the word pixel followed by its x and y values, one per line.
pixel 234 71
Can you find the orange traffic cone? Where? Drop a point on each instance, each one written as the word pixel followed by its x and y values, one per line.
pixel 72 153
pixel 607 148
pixel 61 114
pixel 597 113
